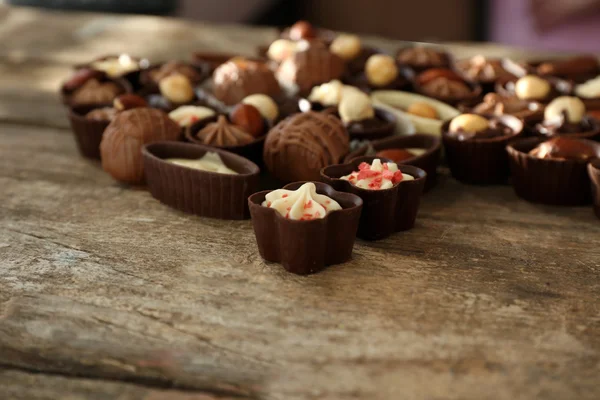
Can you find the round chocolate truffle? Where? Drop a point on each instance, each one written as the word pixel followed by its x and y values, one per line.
pixel 239 77
pixel 123 140
pixel 298 147
pixel 310 67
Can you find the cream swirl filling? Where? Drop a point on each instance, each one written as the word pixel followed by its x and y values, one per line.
pixel 302 204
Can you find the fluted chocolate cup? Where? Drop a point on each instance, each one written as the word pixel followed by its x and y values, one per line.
pixel 306 247
pixel 480 161
pixel 203 193
pixel 428 161
pixel 88 132
pixel 384 211
pixel 548 181
pixel 594 172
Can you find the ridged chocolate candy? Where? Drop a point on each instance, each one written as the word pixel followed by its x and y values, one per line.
pixel 123 140
pixel 95 92
pixel 298 147
pixel 310 67
pixel 239 77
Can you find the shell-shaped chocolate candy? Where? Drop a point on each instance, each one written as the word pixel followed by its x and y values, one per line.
pixel 240 77
pixel 299 146
pixel 123 139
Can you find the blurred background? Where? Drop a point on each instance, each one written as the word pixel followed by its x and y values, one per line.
pixel 542 24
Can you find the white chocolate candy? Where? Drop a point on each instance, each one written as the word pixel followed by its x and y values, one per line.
pixel 589 89
pixel 531 87
pixel 210 162
pixel 116 66
pixel 346 46
pixel 264 104
pixel 355 106
pixel 328 94
pixel 381 70
pixel 302 204
pixel 573 106
pixel 377 176
pixel 187 115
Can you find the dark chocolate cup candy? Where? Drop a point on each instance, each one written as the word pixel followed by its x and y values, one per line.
pixel 306 247
pixel 427 161
pixel 384 211
pixel 253 151
pixel 548 181
pixel 88 132
pixel 480 161
pixel 594 172
pixel 207 194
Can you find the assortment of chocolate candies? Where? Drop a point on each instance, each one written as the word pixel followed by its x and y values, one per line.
pixel 356 134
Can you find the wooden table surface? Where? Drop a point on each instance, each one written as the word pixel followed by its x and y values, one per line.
pixel 107 294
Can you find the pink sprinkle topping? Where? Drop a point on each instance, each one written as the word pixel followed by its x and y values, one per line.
pixel 284 196
pixel 397 177
pixel 364 166
pixel 367 173
pixel 308 204
pixel 269 204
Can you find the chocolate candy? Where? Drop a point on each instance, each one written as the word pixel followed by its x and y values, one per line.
pixel 223 134
pixel 562 148
pixel 95 92
pixel 310 67
pixel 422 57
pixel 396 155
pixel 127 133
pixel 240 77
pixel 298 147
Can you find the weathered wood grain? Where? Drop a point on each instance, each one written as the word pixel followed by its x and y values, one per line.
pixel 19 385
pixel 106 293
pixel 487 295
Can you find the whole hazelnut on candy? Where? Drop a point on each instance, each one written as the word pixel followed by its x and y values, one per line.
pixel 281 49
pixel 469 123
pixel 422 109
pixel 381 70
pixel 177 88
pixel 302 30
pixel 573 107
pixel 346 46
pixel 264 104
pixel 531 87
pixel 248 118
